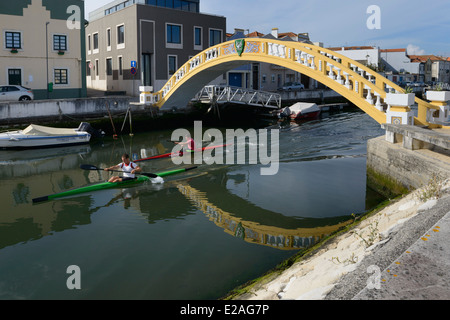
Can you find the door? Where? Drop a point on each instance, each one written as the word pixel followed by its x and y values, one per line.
pixel 15 77
pixel 146 69
pixel 255 77
pixel 235 79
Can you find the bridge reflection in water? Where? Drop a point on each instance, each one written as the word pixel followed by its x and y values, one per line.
pixel 253 232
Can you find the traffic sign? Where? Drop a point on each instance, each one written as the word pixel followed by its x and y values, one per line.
pixel 133 71
pixel 133 64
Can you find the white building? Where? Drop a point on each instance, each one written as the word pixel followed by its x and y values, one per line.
pixel 367 55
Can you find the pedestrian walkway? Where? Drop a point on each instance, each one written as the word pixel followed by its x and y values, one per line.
pixel 421 272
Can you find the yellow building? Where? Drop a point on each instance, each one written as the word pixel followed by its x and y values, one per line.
pixel 43 42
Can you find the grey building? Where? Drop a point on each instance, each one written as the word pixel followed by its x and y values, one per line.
pixel 143 42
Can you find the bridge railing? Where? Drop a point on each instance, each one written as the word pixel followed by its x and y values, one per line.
pixel 222 94
pixel 358 83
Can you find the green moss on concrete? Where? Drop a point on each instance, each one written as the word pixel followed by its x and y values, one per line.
pixel 385 185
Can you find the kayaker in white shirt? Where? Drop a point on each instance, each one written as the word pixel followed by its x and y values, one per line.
pixel 128 167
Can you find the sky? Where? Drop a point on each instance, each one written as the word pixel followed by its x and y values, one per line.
pixel 421 27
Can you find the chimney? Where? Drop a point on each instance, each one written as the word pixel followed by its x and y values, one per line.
pixel 275 32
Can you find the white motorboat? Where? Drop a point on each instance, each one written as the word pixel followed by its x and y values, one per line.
pixel 300 111
pixel 35 136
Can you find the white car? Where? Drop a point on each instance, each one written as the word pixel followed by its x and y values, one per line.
pixel 290 86
pixel 15 93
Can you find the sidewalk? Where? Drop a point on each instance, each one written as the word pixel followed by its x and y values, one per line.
pixel 421 272
pixel 409 258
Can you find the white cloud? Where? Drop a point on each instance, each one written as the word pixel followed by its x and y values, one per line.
pixel 414 50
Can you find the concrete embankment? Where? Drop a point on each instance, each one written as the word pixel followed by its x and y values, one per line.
pixel 395 253
pixel 17 113
pixel 398 252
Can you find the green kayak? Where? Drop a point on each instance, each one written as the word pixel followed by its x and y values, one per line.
pixel 108 185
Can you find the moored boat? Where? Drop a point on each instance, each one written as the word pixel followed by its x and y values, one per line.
pixel 36 136
pixel 301 110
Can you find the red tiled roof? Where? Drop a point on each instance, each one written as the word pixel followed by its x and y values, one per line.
pixel 424 58
pixel 393 50
pixel 287 34
pixel 255 34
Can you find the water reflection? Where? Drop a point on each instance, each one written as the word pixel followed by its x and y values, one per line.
pixel 257 233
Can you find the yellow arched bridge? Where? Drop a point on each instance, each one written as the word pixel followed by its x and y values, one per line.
pixel 359 84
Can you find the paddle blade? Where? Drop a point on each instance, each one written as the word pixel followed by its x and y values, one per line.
pixel 150 175
pixel 89 167
pixel 40 199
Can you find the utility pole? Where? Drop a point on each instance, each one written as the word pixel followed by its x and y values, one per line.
pixel 46 53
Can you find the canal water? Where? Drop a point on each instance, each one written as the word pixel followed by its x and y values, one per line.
pixel 197 235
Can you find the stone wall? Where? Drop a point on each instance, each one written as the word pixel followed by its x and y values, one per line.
pixel 409 169
pixel 56 110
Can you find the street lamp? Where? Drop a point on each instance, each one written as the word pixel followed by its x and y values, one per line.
pixel 46 53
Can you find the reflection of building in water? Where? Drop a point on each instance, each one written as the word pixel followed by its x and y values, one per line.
pixel 254 232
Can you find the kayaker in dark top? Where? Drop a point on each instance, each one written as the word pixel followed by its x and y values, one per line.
pixel 128 167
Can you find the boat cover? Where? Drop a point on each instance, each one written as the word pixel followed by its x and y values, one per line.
pixel 304 107
pixel 35 130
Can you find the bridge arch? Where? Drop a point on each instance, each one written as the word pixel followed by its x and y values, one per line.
pixel 359 84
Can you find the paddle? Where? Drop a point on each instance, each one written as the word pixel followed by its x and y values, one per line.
pixel 91 167
pixel 203 141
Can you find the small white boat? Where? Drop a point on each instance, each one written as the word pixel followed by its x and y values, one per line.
pixel 35 136
pixel 301 110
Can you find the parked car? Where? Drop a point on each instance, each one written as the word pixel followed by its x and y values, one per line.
pixel 15 93
pixel 292 86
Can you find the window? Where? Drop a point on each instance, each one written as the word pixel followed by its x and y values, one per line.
pixel 173 34
pixel 95 36
pixel 184 5
pixel 108 38
pixel 13 40
pixel 96 68
pixel 215 37
pixel 121 34
pixel 172 62
pixel 109 69
pixel 88 68
pixel 59 42
pixel 89 42
pixel 120 66
pixel 197 36
pixel 60 76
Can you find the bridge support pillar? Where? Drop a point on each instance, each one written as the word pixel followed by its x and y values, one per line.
pixel 146 96
pixel 440 99
pixel 399 111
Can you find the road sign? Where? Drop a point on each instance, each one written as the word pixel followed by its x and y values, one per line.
pixel 133 71
pixel 133 64
pixel 91 65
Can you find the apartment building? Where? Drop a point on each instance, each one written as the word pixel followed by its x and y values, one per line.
pixel 43 47
pixel 143 42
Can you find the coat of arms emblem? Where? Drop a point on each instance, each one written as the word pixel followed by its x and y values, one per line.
pixel 240 44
